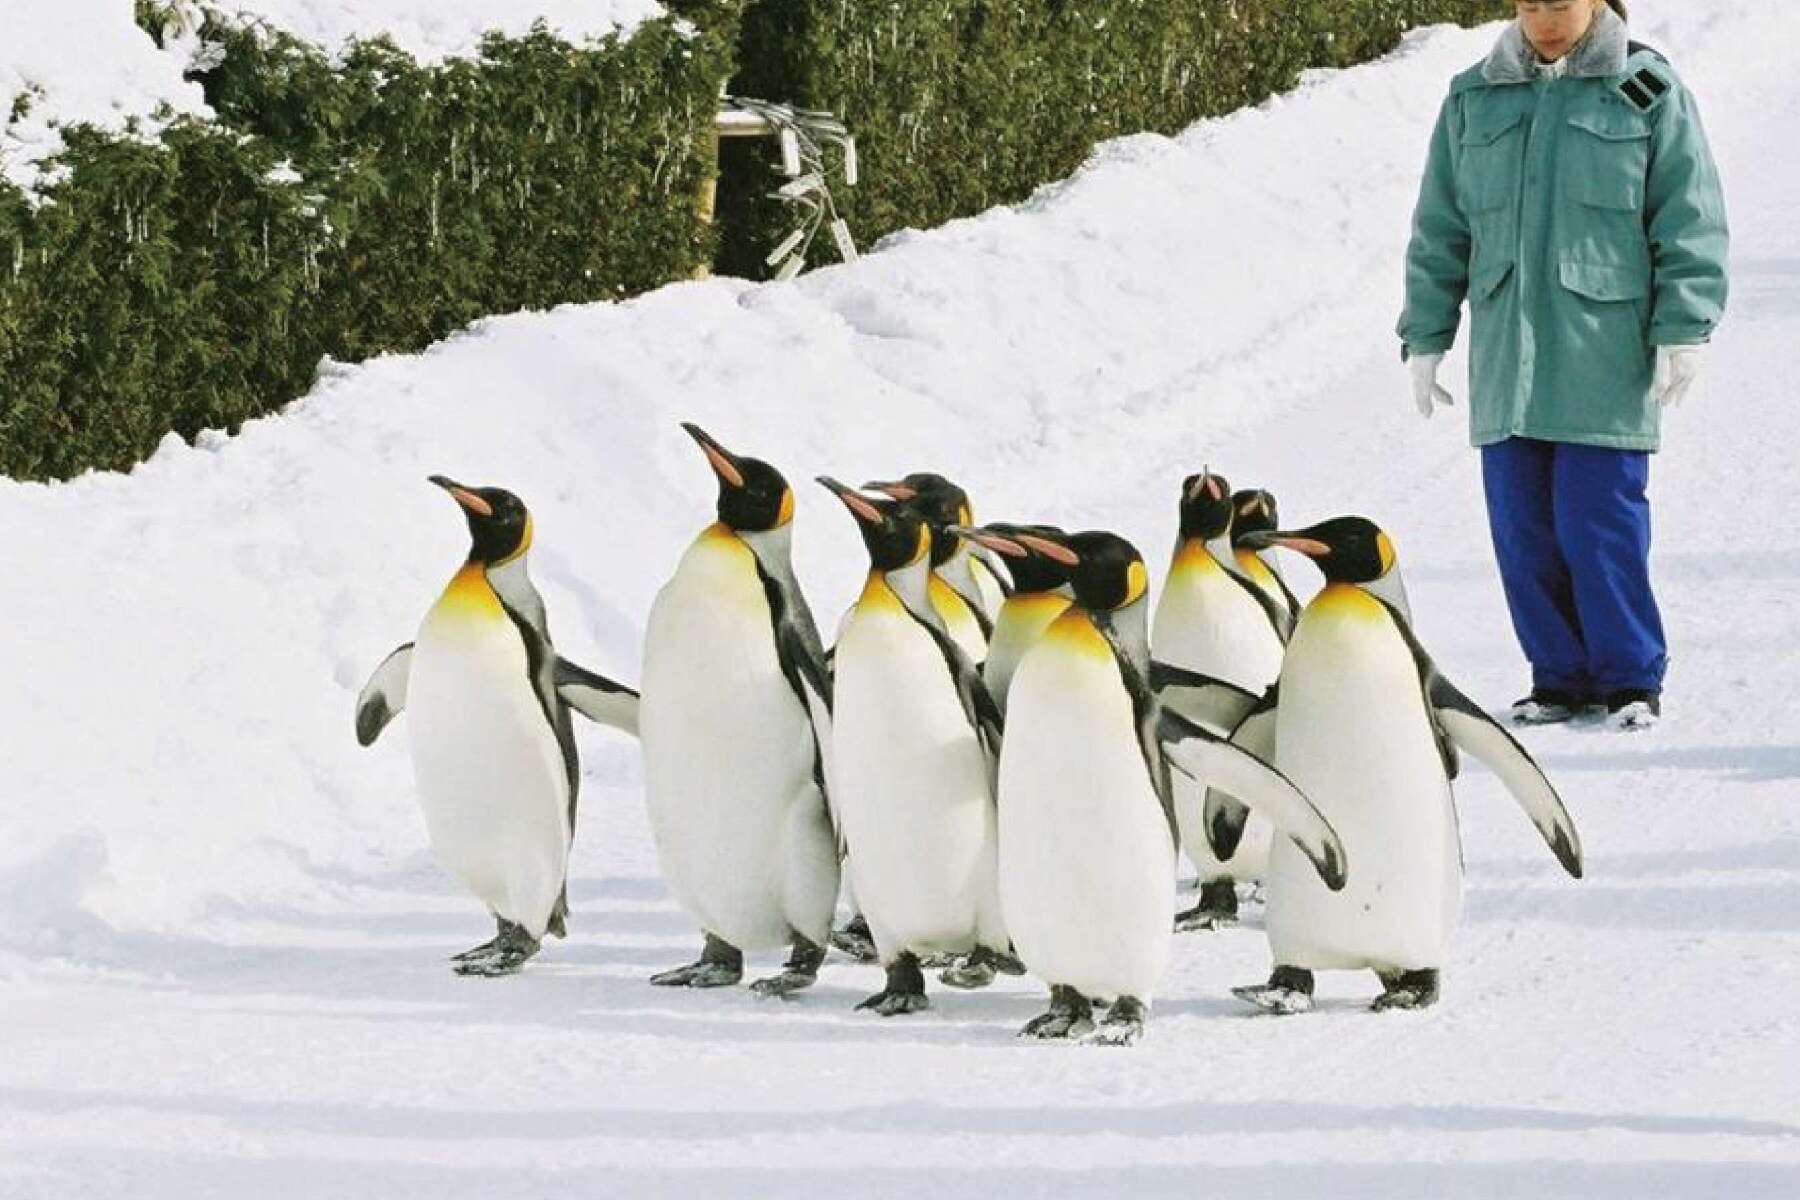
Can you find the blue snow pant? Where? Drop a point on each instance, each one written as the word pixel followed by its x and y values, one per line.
pixel 1571 529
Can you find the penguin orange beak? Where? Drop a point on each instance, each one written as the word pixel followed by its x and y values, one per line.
pixel 898 490
pixel 724 462
pixel 859 506
pixel 1299 543
pixel 1054 551
pixel 1207 483
pixel 463 496
pixel 992 541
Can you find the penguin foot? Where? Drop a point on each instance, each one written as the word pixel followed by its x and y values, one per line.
pixel 800 972
pixel 1217 909
pixel 1071 1015
pixel 855 940
pixel 1122 1026
pixel 1288 991
pixel 968 974
pixel 720 965
pixel 978 968
pixel 506 954
pixel 940 962
pixel 905 990
pixel 1407 990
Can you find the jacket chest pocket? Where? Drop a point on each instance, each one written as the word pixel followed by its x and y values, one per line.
pixel 1487 177
pixel 1606 158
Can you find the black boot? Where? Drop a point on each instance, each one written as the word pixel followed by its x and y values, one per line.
pixel 721 964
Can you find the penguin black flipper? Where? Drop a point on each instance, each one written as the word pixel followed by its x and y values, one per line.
pixel 1460 723
pixel 995 568
pixel 1201 698
pixel 1204 756
pixel 805 665
pixel 1476 733
pixel 382 698
pixel 1224 816
pixel 596 697
pixel 977 702
pixel 1281 617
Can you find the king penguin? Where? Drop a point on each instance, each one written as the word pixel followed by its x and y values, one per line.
pixel 1213 619
pixel 1254 511
pixel 492 747
pixel 735 691
pixel 1087 824
pixel 1040 592
pixel 915 738
pixel 1364 722
pixel 966 589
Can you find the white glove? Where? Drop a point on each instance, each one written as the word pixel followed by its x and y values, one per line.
pixel 1676 369
pixel 1426 391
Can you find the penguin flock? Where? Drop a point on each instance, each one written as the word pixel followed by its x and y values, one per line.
pixel 997 763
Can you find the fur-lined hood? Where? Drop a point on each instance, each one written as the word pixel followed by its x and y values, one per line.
pixel 1600 54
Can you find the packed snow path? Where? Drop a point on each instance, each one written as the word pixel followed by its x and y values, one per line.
pixel 222 939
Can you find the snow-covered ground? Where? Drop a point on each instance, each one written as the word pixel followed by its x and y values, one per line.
pixel 222 937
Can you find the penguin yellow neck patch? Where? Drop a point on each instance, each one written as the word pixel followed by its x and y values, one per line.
pixel 523 546
pixel 1074 633
pixel 1255 567
pixel 877 596
pixel 1137 582
pixel 1345 601
pixel 1193 558
pixel 1384 545
pixel 469 594
pixel 787 508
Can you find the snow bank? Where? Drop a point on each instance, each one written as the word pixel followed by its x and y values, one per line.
pixel 81 62
pixel 431 30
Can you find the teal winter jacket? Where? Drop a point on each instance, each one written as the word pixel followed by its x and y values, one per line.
pixel 1582 219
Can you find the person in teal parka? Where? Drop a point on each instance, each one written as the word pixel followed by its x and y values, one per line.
pixel 1571 198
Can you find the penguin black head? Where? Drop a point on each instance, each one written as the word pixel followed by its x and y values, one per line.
pixel 941 502
pixel 499 523
pixel 1253 511
pixel 1205 507
pixel 1346 549
pixel 1031 572
pixel 753 497
pixel 896 535
pixel 1107 571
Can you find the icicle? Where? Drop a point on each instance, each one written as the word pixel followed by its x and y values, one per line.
pixel 434 208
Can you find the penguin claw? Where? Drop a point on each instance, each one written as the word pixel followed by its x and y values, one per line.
pixel 854 942
pixel 785 984
pixel 1410 990
pixel 700 974
pixel 1056 1025
pixel 508 960
pixel 938 962
pixel 894 1004
pixel 1272 998
pixel 482 951
pixel 969 973
pixel 1203 920
pixel 1115 1033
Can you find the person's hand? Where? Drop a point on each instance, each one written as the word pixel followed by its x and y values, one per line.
pixel 1426 391
pixel 1676 369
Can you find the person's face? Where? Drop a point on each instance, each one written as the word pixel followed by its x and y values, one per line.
pixel 1554 26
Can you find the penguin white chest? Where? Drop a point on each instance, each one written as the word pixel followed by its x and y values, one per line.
pixel 728 749
pixel 1087 865
pixel 1353 733
pixel 491 776
pixel 1207 621
pixel 911 784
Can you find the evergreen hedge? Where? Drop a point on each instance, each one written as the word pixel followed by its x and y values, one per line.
pixel 346 209
pixel 372 204
pixel 959 105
